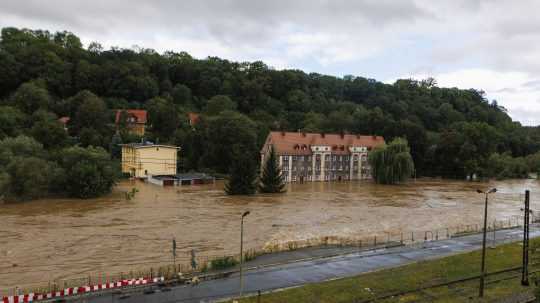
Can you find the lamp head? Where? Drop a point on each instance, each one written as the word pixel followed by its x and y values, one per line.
pixel 245 214
pixel 493 190
pixel 479 191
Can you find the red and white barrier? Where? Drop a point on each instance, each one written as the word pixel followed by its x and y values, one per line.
pixel 79 290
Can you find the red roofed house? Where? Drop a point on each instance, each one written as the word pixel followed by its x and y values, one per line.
pixel 321 157
pixel 135 120
pixel 64 121
pixel 193 119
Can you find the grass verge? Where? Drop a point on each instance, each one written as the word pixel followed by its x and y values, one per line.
pixel 381 285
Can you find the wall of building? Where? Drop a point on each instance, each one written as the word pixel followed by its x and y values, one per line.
pixel 152 160
pixel 325 166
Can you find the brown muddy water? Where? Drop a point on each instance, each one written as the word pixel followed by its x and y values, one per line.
pixel 60 238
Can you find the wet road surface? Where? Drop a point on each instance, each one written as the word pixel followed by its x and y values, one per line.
pixel 299 273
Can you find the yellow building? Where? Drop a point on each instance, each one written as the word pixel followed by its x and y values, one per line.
pixel 141 160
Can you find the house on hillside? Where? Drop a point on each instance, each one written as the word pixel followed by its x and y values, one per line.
pixel 193 118
pixel 134 119
pixel 321 157
pixel 64 121
pixel 142 160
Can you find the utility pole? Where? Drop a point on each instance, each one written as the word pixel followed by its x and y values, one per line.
pixel 483 265
pixel 174 253
pixel 525 268
pixel 242 252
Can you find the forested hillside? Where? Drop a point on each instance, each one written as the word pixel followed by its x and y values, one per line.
pixel 44 76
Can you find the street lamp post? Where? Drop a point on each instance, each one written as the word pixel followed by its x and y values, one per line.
pixel 525 269
pixel 483 266
pixel 242 251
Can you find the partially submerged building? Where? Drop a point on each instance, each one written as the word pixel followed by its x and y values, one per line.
pixel 181 179
pixel 141 160
pixel 321 157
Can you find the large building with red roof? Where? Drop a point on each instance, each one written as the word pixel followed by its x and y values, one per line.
pixel 321 157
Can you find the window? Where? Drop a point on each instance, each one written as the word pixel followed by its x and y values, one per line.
pixel 285 158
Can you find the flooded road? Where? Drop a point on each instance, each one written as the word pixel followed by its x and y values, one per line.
pixel 60 238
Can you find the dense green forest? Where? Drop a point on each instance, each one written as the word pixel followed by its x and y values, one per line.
pixel 44 76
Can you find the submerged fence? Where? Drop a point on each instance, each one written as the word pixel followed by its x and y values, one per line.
pixel 185 266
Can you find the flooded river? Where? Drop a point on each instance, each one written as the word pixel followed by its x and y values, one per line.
pixel 61 238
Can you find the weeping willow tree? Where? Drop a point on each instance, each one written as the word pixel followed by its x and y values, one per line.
pixel 392 163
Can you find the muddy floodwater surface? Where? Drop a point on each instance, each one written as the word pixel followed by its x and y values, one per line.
pixel 61 238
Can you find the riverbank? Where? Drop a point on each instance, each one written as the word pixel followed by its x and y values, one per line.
pixel 450 279
pixel 321 270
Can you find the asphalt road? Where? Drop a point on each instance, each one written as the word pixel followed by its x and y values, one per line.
pixel 298 273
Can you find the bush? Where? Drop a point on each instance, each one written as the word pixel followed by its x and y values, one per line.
pixel 223 263
pixel 503 166
pixel 89 171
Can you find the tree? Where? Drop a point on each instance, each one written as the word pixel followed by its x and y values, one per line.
pixel 242 174
pixel 392 163
pixel 272 179
pixel 21 146
pixel 92 115
pixel 30 97
pixel 218 104
pixel 48 130
pixel 12 121
pixel 29 178
pixel 163 117
pixel 181 95
pixel 227 132
pixel 114 148
pixel 88 171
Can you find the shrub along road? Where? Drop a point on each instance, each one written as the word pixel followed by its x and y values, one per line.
pixel 319 270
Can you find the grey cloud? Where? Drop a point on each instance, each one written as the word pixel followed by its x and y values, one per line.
pixel 256 23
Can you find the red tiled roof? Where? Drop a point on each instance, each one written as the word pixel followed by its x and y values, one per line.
pixel 139 114
pixel 64 120
pixel 193 118
pixel 296 143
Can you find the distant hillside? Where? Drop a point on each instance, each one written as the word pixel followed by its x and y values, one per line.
pixel 451 132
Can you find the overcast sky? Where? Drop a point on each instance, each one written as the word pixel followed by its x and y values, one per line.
pixel 485 44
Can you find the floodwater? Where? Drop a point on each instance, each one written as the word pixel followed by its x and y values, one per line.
pixel 61 238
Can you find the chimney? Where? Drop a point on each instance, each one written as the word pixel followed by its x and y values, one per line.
pixel 322 135
pixel 357 136
pixel 283 134
pixel 303 134
pixel 342 135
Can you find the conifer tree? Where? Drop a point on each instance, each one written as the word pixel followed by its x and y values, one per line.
pixel 243 175
pixel 272 178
